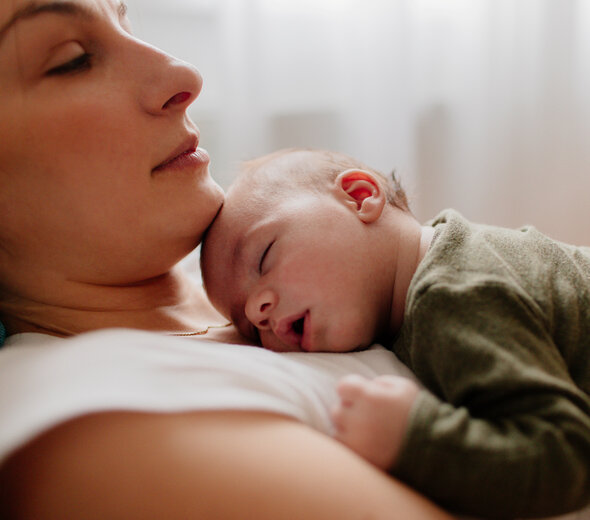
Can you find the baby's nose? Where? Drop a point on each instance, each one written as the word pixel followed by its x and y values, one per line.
pixel 259 308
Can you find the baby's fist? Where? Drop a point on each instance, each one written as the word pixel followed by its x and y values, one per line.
pixel 372 416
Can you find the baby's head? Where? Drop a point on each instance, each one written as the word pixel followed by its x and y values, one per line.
pixel 296 256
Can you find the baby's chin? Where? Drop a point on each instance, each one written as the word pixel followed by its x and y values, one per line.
pixel 343 348
pixel 362 341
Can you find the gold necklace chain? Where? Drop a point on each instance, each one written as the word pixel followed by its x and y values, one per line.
pixel 198 332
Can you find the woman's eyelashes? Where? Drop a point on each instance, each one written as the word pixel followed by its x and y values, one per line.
pixel 78 64
pixel 264 256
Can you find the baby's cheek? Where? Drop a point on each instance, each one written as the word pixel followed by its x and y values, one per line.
pixel 353 335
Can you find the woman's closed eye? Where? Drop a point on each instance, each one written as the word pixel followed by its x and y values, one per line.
pixel 80 63
pixel 264 256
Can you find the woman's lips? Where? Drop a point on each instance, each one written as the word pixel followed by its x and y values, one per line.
pixel 188 155
pixel 194 158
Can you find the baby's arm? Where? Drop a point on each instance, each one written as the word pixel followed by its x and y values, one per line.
pixel 372 416
pixel 503 420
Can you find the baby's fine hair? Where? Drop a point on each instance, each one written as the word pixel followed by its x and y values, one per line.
pixel 308 175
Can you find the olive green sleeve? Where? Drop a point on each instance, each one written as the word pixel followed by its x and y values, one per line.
pixel 503 432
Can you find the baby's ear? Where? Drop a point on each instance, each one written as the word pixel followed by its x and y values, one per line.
pixel 362 188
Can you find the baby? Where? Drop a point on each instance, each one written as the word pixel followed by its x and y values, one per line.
pixel 314 251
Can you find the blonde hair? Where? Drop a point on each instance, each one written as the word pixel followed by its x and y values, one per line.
pixel 305 175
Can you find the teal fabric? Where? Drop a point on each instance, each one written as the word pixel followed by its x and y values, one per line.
pixel 2 334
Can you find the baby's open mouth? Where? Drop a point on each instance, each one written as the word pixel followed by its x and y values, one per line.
pixel 298 326
pixel 292 330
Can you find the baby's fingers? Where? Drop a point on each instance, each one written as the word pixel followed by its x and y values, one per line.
pixel 350 388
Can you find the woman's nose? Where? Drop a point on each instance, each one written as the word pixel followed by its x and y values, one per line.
pixel 185 87
pixel 167 84
pixel 259 308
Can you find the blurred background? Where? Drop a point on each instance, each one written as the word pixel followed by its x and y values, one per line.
pixel 480 105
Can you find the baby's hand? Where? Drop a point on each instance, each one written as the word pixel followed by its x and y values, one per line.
pixel 372 416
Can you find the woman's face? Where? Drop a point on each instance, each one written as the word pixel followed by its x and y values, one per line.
pixel 101 178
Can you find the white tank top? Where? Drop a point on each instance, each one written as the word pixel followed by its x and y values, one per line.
pixel 46 380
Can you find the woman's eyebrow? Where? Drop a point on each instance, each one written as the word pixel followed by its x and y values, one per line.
pixel 34 9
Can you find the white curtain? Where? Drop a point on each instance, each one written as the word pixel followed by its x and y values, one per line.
pixel 481 105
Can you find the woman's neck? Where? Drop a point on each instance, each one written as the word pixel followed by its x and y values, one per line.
pixel 171 303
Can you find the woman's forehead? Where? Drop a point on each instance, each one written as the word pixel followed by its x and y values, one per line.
pixel 12 10
pixel 15 12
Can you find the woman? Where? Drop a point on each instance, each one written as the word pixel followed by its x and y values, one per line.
pixel 104 190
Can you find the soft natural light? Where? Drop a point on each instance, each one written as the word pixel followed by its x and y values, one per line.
pixel 310 6
pixel 478 104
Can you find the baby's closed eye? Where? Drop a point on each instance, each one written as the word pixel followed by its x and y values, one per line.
pixel 264 256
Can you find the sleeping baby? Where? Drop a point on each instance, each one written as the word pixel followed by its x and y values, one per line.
pixel 314 251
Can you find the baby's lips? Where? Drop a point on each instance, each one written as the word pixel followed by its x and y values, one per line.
pixel 306 332
pixel 291 330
